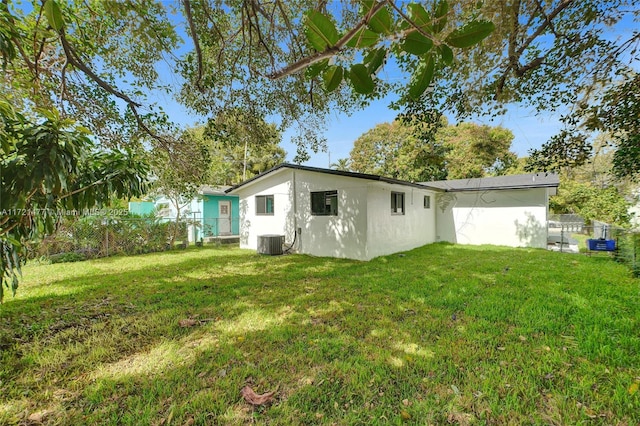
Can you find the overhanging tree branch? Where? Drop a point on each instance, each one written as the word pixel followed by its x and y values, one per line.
pixel 74 59
pixel 196 42
pixel 414 24
pixel 329 51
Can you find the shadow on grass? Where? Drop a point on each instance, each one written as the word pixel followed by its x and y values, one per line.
pixel 342 341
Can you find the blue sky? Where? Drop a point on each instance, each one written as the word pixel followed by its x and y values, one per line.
pixel 530 128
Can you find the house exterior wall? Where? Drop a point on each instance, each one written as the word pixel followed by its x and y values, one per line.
pixel 343 235
pixel 210 215
pixel 201 210
pixel 390 233
pixel 364 226
pixel 278 184
pixel 141 207
pixel 362 229
pixel 516 218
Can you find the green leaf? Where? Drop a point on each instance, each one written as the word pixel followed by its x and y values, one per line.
pixel 361 79
pixel 332 77
pixel 446 54
pixel 54 14
pixel 421 79
pixel 314 70
pixel 416 43
pixel 419 16
pixel 470 34
pixel 381 22
pixel 320 31
pixel 441 16
pixel 363 38
pixel 375 59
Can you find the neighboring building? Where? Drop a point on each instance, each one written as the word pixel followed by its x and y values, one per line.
pixel 142 208
pixel 220 212
pixel 211 214
pixel 503 210
pixel 333 213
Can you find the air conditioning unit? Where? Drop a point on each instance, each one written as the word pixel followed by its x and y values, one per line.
pixel 270 244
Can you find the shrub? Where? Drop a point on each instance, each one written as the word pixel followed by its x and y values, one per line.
pixel 94 236
pixel 67 257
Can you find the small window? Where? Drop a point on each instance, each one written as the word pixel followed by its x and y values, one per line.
pixel 427 201
pixel 324 203
pixel 397 203
pixel 264 204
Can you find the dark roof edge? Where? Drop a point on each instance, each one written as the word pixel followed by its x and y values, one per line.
pixel 493 188
pixel 335 172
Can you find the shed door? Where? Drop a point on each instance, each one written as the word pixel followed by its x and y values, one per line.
pixel 224 217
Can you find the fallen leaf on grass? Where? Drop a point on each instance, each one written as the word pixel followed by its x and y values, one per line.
pixel 38 417
pixel 633 388
pixel 588 411
pixel 187 322
pixel 460 418
pixel 254 399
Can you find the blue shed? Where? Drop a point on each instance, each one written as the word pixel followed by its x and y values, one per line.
pixel 220 212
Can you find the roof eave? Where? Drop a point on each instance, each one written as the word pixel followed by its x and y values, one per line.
pixel 496 188
pixel 333 172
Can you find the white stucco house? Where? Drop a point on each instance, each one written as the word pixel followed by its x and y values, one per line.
pixel 503 210
pixel 325 212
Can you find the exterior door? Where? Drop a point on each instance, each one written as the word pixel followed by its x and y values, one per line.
pixel 224 217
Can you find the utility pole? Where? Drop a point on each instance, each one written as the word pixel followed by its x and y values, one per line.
pixel 244 167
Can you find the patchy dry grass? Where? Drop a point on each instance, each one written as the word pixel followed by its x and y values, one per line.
pixel 441 335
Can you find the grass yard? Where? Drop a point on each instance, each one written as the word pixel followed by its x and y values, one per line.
pixel 440 335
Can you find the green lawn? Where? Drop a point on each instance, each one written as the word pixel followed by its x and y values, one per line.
pixel 440 335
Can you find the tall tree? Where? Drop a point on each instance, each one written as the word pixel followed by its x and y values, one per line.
pixel 239 54
pixel 343 165
pixel 179 180
pixel 242 145
pixel 396 150
pixel 561 56
pixel 618 114
pixel 376 152
pixel 593 190
pixel 591 202
pixel 303 59
pixel 563 152
pixel 474 150
pixel 461 151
